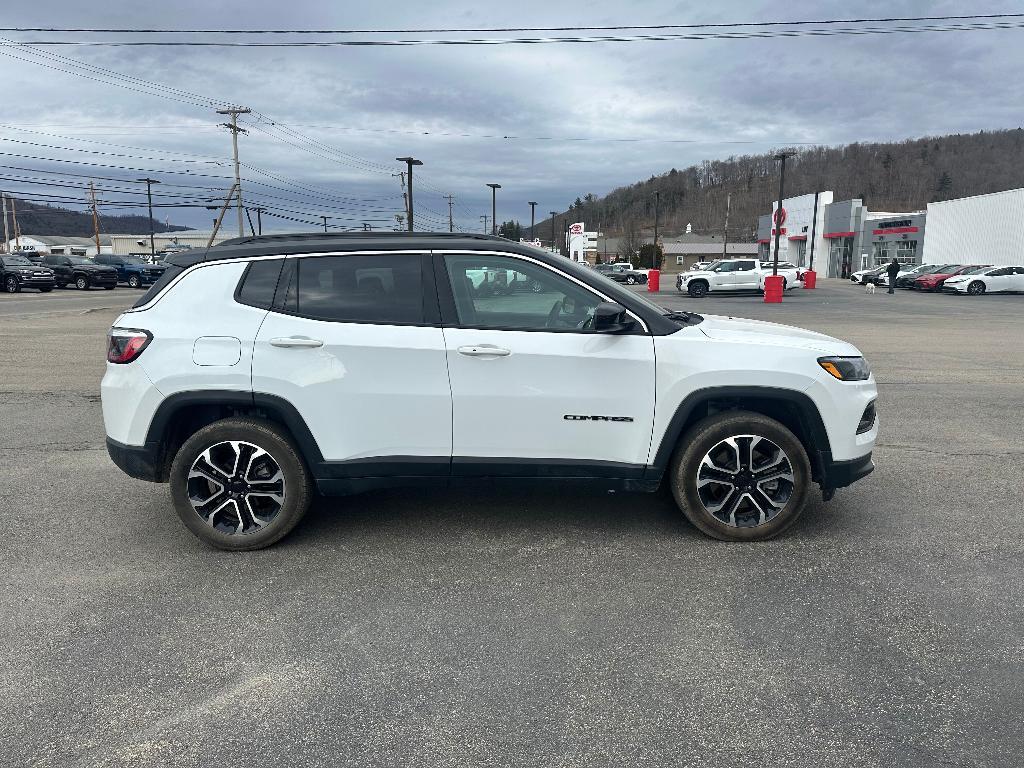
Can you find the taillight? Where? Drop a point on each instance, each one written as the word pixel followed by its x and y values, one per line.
pixel 126 344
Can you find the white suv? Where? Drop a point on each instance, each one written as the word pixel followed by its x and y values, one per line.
pixel 734 275
pixel 264 369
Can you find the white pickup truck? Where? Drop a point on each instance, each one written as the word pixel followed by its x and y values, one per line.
pixel 734 275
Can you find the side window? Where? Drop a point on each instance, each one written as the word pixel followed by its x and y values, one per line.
pixel 514 294
pixel 744 266
pixel 259 283
pixel 728 266
pixel 1000 272
pixel 386 289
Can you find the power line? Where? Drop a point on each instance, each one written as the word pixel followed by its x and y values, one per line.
pixel 639 38
pixel 446 30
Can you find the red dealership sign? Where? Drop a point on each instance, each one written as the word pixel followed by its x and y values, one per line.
pixel 895 231
pixel 780 216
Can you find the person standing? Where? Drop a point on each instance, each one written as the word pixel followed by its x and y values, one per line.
pixel 893 269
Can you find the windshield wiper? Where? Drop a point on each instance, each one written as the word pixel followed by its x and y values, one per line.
pixel 683 316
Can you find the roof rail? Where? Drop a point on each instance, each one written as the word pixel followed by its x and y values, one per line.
pixel 358 235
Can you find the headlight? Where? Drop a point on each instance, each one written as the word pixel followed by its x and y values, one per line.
pixel 846 368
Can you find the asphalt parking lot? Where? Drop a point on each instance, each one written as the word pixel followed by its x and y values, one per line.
pixel 450 629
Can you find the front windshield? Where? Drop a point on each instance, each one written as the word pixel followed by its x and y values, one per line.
pixel 132 260
pixel 17 261
pixel 712 266
pixel 976 270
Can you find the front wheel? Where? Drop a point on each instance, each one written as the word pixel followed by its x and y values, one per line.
pixel 740 476
pixel 697 290
pixel 240 484
pixel 630 280
pixel 11 284
pixel 134 282
pixel 82 283
pixel 976 288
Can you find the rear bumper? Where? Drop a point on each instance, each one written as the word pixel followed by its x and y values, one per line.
pixel 840 474
pixel 142 462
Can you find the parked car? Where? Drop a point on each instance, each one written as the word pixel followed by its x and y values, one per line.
pixel 905 270
pixel 732 275
pixel 81 272
pixel 17 272
pixel 131 269
pixel 907 281
pixel 622 273
pixel 874 275
pixel 987 280
pixel 296 378
pixel 932 281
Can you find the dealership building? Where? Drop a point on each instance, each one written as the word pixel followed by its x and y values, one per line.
pixel 840 237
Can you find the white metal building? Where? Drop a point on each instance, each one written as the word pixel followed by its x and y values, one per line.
pixel 125 244
pixel 66 244
pixel 987 229
pixel 797 228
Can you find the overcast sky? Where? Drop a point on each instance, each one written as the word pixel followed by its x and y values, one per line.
pixel 723 97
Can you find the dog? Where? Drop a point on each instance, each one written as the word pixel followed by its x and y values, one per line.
pixel 870 288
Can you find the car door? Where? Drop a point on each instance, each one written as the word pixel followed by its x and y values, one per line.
pixel 726 276
pixel 746 276
pixel 1017 279
pixel 535 392
pixel 999 279
pixel 353 342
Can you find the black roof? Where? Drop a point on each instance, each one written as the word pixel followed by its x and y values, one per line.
pixel 314 242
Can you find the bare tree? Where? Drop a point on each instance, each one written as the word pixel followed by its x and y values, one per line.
pixel 630 242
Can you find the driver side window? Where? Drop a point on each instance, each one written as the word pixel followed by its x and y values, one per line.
pixel 513 294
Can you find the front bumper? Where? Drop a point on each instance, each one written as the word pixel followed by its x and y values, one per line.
pixel 840 474
pixel 31 281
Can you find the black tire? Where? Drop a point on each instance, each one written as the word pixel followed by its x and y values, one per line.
pixel 790 496
pixel 630 280
pixel 697 289
pixel 297 488
pixel 82 283
pixel 976 288
pixel 134 282
pixel 11 284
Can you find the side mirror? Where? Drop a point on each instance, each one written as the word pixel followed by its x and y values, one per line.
pixel 610 317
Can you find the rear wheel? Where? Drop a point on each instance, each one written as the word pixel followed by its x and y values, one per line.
pixel 240 484
pixel 82 282
pixel 976 288
pixel 697 290
pixel 740 476
pixel 11 284
pixel 630 280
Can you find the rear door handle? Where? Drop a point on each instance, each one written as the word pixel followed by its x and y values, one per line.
pixel 295 342
pixel 484 350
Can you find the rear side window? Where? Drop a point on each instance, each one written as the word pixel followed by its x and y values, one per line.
pixel 259 283
pixel 386 289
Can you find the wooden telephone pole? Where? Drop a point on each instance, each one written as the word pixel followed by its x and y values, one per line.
pixel 451 201
pixel 95 218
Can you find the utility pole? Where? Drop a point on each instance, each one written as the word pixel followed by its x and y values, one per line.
pixel 259 220
pixel 654 256
pixel 777 218
pixel 451 201
pixel 494 212
pixel 149 196
pixel 725 238
pixel 220 216
pixel 95 218
pixel 410 161
pixel 7 234
pixel 17 229
pixel 484 219
pixel 814 229
pixel 235 130
pixel 325 218
pixel 553 214
pixel 533 208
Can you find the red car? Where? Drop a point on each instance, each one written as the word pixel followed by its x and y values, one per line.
pixel 933 282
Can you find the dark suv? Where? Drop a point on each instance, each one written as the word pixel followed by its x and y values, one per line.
pixel 622 274
pixel 131 269
pixel 81 272
pixel 17 272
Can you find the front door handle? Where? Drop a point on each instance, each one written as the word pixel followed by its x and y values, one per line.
pixel 295 342
pixel 484 350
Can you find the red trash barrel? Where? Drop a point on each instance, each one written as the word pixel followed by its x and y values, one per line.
pixel 810 278
pixel 653 280
pixel 773 289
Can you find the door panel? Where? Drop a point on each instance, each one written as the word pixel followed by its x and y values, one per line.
pixel 365 371
pixel 536 393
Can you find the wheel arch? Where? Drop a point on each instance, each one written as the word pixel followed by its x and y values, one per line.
pixel 182 414
pixel 794 409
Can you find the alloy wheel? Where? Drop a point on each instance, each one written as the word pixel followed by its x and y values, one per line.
pixel 236 487
pixel 745 481
pixel 976 288
pixel 11 285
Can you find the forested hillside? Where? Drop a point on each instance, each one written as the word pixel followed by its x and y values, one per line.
pixel 901 176
pixel 36 219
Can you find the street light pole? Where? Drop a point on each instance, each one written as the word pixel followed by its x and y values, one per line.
pixel 533 208
pixel 149 196
pixel 494 207
pixel 654 256
pixel 553 214
pixel 410 161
